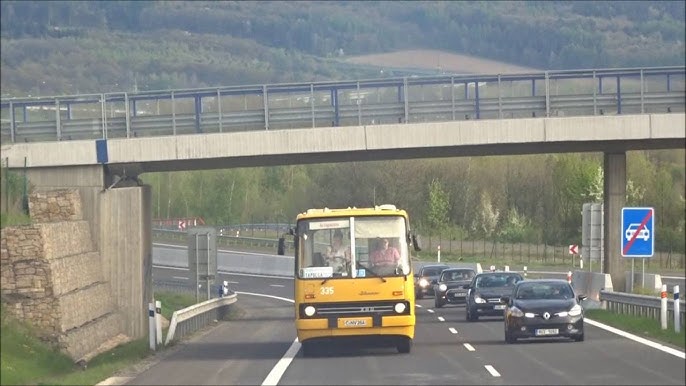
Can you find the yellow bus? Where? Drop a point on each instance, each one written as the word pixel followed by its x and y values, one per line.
pixel 344 287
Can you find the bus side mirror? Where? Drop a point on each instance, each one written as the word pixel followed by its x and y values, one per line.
pixel 281 249
pixel 416 243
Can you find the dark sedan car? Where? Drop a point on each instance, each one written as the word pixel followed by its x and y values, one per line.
pixel 450 286
pixel 543 309
pixel 425 279
pixel 485 291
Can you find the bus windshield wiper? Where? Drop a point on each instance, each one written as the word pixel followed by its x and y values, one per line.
pixel 371 271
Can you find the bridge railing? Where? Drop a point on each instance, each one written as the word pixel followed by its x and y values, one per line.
pixel 344 103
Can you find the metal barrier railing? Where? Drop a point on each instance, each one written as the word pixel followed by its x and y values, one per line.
pixel 197 316
pixel 640 305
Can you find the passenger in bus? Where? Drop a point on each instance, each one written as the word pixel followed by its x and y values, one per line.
pixel 338 255
pixel 385 255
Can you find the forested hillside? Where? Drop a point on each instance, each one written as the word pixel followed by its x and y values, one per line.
pixel 59 47
pixel 100 46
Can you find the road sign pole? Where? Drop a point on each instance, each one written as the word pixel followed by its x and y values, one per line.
pixel 643 273
pixel 631 289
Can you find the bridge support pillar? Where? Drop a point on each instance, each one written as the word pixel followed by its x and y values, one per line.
pixel 614 193
pixel 120 220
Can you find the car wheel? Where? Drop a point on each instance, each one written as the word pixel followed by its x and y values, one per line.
pixel 438 303
pixel 404 345
pixel 579 338
pixel 419 295
pixel 470 315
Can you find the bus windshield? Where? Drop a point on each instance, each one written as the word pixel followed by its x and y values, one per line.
pixel 352 247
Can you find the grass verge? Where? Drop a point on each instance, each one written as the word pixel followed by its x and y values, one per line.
pixel 644 327
pixel 27 360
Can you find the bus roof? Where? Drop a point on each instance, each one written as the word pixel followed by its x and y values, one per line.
pixel 386 209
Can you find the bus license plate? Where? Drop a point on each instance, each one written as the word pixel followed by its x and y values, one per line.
pixel 547 331
pixel 354 322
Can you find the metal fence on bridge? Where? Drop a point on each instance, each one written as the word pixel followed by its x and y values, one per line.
pixel 343 103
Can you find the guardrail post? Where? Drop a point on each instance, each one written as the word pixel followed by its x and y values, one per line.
pixel 173 106
pixel 406 100
pixel 265 102
pixel 452 94
pixel 642 110
pixel 13 124
pixel 151 325
pixel 547 95
pixel 595 104
pixel 663 307
pixel 103 115
pixel 619 97
pixel 58 125
pixel 219 109
pixel 128 115
pixel 500 100
pixel 677 311
pixel 312 104
pixel 158 322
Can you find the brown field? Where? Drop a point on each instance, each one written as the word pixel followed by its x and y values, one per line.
pixel 445 61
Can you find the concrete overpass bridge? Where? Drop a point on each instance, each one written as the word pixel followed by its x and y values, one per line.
pixel 99 142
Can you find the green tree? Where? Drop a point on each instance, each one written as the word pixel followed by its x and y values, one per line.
pixel 439 205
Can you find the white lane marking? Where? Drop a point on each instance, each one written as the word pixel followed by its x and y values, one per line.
pixel 430 310
pixel 418 305
pixel 442 319
pixel 282 365
pixel 453 330
pixel 180 277
pixel 276 285
pixel 469 347
pixel 491 370
pixel 638 339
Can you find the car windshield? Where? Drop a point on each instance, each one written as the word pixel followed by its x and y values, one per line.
pixel 499 280
pixel 343 247
pixel 432 271
pixel 558 291
pixel 463 274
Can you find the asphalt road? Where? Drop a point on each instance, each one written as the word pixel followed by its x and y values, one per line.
pixel 446 350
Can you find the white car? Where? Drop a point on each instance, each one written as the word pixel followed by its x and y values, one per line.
pixel 644 234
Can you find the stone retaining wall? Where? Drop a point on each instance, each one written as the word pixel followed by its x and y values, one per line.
pixel 52 276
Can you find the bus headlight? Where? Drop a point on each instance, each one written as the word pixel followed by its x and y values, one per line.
pixel 309 310
pixel 400 308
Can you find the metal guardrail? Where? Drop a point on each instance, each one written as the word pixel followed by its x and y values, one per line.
pixel 640 305
pixel 197 316
pixel 224 241
pixel 344 103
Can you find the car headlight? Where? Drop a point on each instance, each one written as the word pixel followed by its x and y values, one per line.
pixel 399 308
pixel 575 311
pixel 515 312
pixel 423 282
pixel 309 310
pixel 479 299
pixel 442 287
